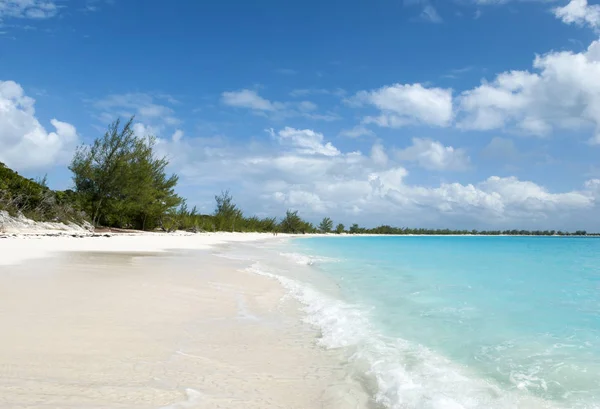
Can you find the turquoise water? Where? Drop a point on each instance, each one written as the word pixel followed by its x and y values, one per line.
pixel 460 322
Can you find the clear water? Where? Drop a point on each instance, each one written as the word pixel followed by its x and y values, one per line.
pixel 457 322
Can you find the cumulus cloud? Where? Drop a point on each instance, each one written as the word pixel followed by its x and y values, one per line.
pixel 250 99
pixel 25 142
pixel 579 12
pixel 306 141
pixel 379 155
pixel 407 104
pixel 319 179
pixel 564 93
pixel 301 199
pixel 32 9
pixel 432 155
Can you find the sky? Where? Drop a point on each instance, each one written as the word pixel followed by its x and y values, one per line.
pixel 421 113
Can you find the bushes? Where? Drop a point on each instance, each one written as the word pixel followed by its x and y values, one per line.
pixel 33 199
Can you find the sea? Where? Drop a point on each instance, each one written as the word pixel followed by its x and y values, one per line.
pixel 452 322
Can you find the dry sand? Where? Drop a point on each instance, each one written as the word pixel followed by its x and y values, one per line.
pixel 120 323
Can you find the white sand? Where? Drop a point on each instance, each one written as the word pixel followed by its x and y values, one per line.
pixel 23 247
pixel 87 323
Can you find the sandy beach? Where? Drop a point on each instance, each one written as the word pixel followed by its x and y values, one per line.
pixel 154 321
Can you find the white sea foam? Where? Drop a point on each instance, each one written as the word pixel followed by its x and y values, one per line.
pixel 400 374
pixel 306 260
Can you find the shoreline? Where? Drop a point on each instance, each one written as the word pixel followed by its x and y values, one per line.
pixel 190 321
pixel 22 247
pixel 155 322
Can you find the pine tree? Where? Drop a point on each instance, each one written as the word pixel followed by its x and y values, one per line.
pixel 326 225
pixel 121 183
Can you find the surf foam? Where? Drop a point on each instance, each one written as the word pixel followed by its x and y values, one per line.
pixel 399 374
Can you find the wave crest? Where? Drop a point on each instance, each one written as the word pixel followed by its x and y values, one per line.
pixel 398 374
pixel 306 260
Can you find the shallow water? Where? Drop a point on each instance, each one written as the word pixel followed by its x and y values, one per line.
pixel 454 322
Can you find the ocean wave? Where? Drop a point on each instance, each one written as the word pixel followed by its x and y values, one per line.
pixel 400 374
pixel 306 260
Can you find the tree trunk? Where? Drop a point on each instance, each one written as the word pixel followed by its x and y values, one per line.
pixel 96 214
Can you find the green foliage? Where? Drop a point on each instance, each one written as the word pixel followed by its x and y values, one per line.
pixel 339 228
pixel 226 217
pixel 292 223
pixel 226 212
pixel 33 199
pixel 121 183
pixel 254 224
pixel 354 229
pixel 326 225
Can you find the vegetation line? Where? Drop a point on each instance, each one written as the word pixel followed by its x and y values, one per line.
pixel 120 182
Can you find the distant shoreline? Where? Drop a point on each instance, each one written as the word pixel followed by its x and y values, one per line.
pixel 131 233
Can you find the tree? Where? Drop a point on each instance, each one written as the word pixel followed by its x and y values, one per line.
pixel 340 228
pixel 226 212
pixel 151 196
pixel 326 225
pixel 292 223
pixel 354 229
pixel 99 170
pixel 121 183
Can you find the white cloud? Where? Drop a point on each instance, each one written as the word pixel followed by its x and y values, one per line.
pixel 25 143
pixel 378 154
pixel 142 105
pixel 579 12
pixel 154 111
pixel 357 132
pixel 407 104
pixel 428 11
pixel 368 189
pixel 32 9
pixel 307 106
pixel 177 135
pixel 301 199
pixel 430 14
pixel 307 141
pixel 246 98
pixel 250 99
pixel 564 93
pixel 432 155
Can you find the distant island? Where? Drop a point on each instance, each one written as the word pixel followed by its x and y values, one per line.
pixel 120 183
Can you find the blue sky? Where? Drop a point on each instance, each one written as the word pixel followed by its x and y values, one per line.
pixel 454 113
